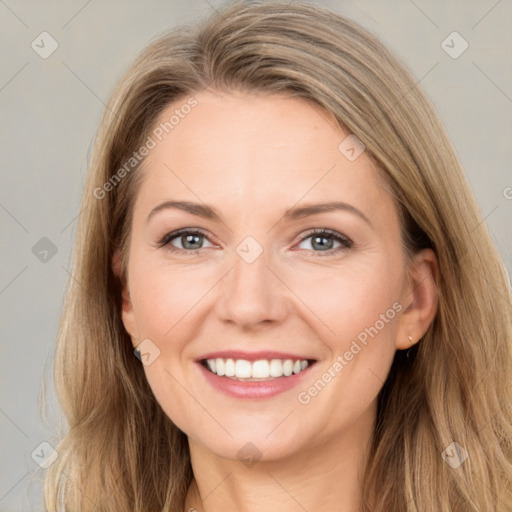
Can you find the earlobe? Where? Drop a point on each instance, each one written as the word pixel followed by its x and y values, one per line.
pixel 421 298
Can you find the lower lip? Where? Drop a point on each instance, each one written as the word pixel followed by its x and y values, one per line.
pixel 253 390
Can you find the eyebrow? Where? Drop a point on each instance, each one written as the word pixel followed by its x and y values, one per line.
pixel 207 212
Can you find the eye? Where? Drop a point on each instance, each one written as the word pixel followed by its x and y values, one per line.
pixel 191 240
pixel 324 240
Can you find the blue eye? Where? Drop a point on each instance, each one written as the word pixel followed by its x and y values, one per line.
pixel 190 239
pixel 324 239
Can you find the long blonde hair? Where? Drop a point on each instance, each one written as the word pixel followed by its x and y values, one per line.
pixel 121 452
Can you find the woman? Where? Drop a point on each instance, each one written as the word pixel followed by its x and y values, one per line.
pixel 275 220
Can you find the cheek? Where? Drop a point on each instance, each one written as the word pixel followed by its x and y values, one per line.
pixel 352 298
pixel 359 309
pixel 163 295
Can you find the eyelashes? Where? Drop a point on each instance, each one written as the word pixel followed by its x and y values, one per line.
pixel 180 233
pixel 345 242
pixel 191 236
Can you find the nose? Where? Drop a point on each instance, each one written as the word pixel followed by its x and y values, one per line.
pixel 253 294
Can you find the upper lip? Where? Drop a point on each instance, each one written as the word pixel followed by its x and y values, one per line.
pixel 253 356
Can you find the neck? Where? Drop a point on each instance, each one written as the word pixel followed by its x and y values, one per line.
pixel 323 477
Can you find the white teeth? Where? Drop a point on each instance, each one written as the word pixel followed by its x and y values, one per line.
pixel 241 369
pixel 219 363
pixel 276 368
pixel 260 369
pixel 288 367
pixel 229 368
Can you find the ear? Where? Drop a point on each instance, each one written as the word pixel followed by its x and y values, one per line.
pixel 127 313
pixel 419 299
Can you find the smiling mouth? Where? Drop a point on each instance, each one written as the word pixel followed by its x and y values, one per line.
pixel 256 371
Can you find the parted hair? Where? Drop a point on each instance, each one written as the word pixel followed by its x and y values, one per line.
pixel 119 451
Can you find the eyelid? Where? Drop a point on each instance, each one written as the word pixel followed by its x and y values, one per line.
pixel 345 242
pixel 165 241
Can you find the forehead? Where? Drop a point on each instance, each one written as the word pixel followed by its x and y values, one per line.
pixel 255 150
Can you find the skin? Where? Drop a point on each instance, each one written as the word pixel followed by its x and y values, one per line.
pixel 252 156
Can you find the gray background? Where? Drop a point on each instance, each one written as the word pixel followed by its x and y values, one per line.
pixel 51 108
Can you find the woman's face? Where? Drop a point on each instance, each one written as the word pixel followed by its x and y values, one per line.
pixel 254 284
